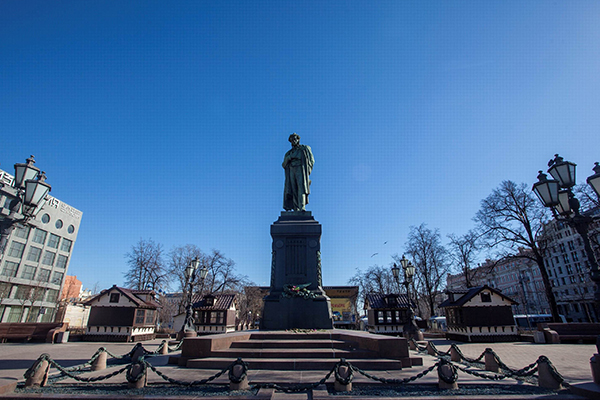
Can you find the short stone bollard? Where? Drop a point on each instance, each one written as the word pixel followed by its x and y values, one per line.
pixel 241 379
pixel 137 377
pixel 447 375
pixel 430 349
pixel 343 378
pixel 165 348
pixel 40 375
pixel 100 362
pixel 490 361
pixel 547 377
pixel 454 354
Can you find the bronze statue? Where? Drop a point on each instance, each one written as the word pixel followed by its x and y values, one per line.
pixel 298 163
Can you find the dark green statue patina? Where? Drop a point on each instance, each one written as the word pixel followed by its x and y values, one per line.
pixel 298 163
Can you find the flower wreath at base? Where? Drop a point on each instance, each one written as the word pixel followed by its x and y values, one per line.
pixel 299 291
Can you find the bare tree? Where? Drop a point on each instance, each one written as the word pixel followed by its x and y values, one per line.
pixel 376 279
pixel 463 253
pixel 166 313
pixel 511 217
pixel 250 304
pixel 96 288
pixel 430 260
pixel 179 259
pixel 146 269
pixel 221 276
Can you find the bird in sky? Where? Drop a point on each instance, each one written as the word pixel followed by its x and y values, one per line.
pixel 374 254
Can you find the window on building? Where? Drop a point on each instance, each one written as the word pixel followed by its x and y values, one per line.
pixel 566 258
pixel 139 317
pixel 572 279
pixel 5 289
pixel 549 272
pixel 66 245
pixel 571 245
pixel 379 317
pixel 213 317
pixel 149 317
pixel 28 272
pixel 16 249
pixel 23 292
pixel 57 278
pixel 560 270
pixel 39 236
pixel 562 247
pixel 569 269
pixel 486 297
pixel 53 241
pixel 10 269
pixel 61 261
pixel 44 275
pixel 52 296
pixel 114 297
pixel 563 281
pixel 22 232
pixel 48 258
pixel 15 314
pixel 574 256
pixel 34 254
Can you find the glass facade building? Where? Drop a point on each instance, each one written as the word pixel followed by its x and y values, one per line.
pixel 36 259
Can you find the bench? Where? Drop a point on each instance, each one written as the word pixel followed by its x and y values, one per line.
pixel 573 332
pixel 27 331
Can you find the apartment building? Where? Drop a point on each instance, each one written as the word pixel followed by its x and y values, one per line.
pixel 36 259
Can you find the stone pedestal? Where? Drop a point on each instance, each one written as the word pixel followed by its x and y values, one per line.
pixel 296 261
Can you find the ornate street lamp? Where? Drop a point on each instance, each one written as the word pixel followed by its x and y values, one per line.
pixel 411 330
pixel 594 180
pixel 188 329
pixel 28 193
pixel 565 207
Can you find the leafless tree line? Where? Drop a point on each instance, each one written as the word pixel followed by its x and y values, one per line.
pixel 509 219
pixel 150 268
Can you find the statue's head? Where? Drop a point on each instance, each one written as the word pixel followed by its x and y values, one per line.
pixel 294 139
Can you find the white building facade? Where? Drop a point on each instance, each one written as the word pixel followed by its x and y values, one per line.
pixel 36 259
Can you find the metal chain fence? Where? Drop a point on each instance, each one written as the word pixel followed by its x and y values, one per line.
pixel 447 371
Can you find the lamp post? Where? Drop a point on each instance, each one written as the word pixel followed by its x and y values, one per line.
pixel 557 195
pixel 188 329
pixel 28 193
pixel 411 330
pixel 565 207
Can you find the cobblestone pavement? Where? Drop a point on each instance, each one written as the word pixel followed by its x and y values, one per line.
pixel 572 361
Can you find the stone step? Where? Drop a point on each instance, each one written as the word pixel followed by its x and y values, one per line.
pixel 294 364
pixel 279 335
pixel 296 344
pixel 294 353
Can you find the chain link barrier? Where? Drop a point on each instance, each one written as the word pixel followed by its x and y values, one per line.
pixel 508 372
pixel 396 381
pixel 528 371
pixel 45 357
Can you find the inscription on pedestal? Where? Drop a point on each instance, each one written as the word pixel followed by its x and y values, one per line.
pixel 295 258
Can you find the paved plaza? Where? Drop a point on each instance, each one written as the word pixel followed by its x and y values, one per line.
pixel 571 360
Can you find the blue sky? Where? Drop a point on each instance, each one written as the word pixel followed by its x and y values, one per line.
pixel 169 120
